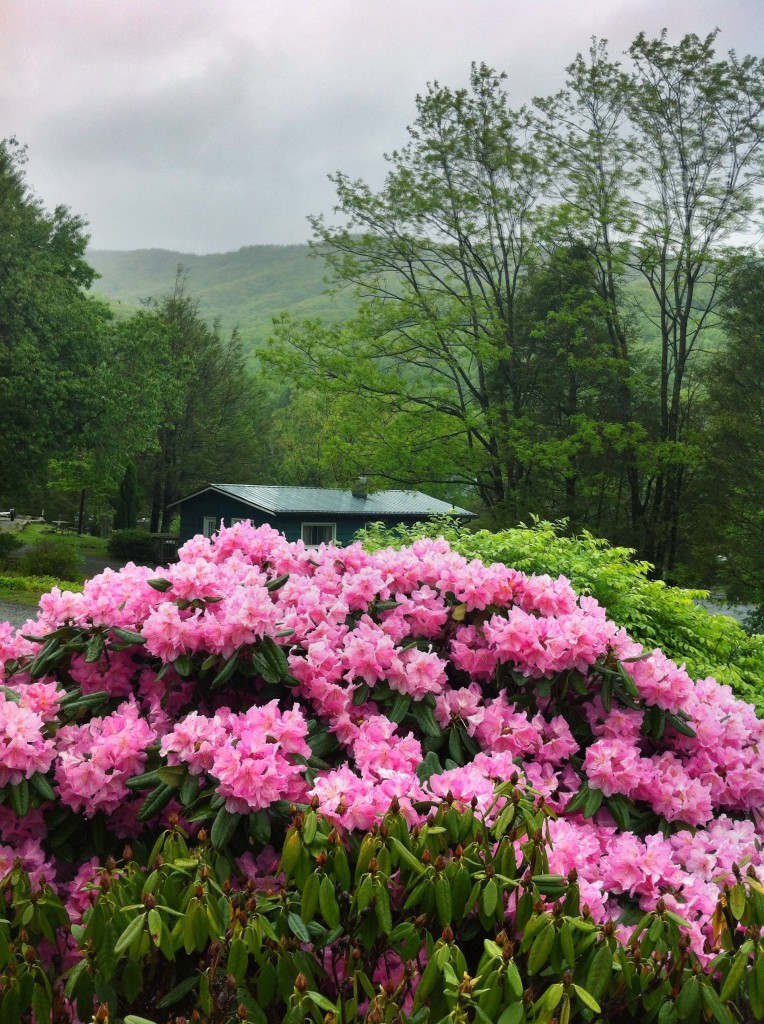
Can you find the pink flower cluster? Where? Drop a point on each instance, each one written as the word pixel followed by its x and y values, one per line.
pixel 381 649
pixel 249 755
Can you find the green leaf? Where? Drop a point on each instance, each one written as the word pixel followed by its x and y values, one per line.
pixel 328 902
pixel 408 857
pixel 223 828
pixel 592 802
pixel 238 958
pixel 680 725
pixel 155 802
pixel 489 898
pixel 382 908
pixel 737 900
pixel 540 949
pixel 128 636
pixel 94 649
pixel 735 976
pixel 20 798
pixel 225 673
pixel 42 787
pixel 130 933
pixel 712 1002
pixel 160 584
pixel 309 901
pixel 297 927
pixel 178 992
pixel 443 901
pixel 600 971
pixel 587 998
pixel 172 775
pixel 688 1000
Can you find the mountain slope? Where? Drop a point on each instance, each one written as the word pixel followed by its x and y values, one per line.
pixel 244 289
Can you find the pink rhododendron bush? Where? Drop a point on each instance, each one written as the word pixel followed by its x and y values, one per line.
pixel 255 675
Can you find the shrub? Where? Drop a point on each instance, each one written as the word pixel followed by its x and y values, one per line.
pixel 477 770
pixel 131 546
pixel 27 589
pixel 9 543
pixel 51 558
pixel 654 614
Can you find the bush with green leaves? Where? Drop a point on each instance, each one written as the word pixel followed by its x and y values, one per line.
pixel 452 922
pixel 446 791
pixel 9 543
pixel 51 557
pixel 131 546
pixel 653 613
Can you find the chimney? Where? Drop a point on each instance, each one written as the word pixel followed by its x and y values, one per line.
pixel 359 488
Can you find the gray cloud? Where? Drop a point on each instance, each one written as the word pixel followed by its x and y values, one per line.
pixel 204 125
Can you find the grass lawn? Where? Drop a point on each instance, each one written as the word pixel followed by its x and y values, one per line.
pixel 85 544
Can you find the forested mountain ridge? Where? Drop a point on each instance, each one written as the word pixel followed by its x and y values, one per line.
pixel 247 288
pixel 244 289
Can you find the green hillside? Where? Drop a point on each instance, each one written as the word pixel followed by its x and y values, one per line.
pixel 248 288
pixel 244 289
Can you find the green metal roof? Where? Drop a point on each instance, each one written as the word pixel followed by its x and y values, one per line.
pixel 329 501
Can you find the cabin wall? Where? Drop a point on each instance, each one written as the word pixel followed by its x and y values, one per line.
pixel 223 507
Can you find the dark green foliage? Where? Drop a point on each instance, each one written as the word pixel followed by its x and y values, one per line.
pixel 731 531
pixel 126 516
pixel 131 546
pixel 9 542
pixel 51 558
pixel 49 329
pixel 177 932
pixel 215 414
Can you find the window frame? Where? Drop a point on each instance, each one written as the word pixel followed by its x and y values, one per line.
pixel 206 531
pixel 324 522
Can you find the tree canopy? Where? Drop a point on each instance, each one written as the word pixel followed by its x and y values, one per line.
pixel 496 340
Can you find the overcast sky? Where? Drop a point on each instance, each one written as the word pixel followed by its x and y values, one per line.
pixel 206 125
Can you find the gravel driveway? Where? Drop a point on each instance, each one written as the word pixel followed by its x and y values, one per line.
pixel 16 614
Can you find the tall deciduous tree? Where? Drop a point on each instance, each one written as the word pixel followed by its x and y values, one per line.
pixel 653 169
pixel 50 330
pixel 663 162
pixel 438 254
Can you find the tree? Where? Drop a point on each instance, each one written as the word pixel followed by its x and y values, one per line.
pixel 50 330
pixel 130 382
pixel 732 531
pixel 577 385
pixel 651 170
pixel 127 501
pixel 663 163
pixel 438 256
pixel 212 423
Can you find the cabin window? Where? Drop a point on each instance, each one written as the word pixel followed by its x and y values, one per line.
pixel 314 534
pixel 240 519
pixel 209 525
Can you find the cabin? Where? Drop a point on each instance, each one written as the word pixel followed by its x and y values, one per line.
pixel 315 515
